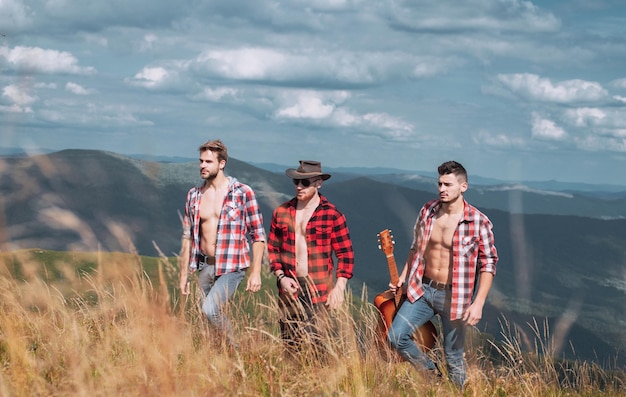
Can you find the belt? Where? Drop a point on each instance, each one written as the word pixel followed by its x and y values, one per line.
pixel 435 284
pixel 206 260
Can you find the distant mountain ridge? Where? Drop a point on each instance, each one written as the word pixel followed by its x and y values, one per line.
pixel 566 268
pixel 600 190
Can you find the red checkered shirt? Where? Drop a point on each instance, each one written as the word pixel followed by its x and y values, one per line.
pixel 473 252
pixel 326 232
pixel 240 218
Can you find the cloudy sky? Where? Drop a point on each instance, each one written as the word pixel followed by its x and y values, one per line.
pixel 515 90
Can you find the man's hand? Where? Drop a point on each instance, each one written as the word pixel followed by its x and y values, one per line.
pixel 473 314
pixel 289 286
pixel 254 282
pixel 336 295
pixel 398 286
pixel 335 298
pixel 184 285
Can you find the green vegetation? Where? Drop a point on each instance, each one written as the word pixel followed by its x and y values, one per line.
pixel 103 324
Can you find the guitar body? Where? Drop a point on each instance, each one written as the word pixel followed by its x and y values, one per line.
pixel 425 336
pixel 388 303
pixel 385 302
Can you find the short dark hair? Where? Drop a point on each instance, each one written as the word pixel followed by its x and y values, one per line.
pixel 217 147
pixel 452 167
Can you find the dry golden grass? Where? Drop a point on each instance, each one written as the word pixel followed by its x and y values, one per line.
pixel 120 328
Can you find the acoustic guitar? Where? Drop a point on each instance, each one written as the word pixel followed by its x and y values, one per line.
pixel 388 302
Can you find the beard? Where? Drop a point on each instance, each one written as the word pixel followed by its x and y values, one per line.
pixel 209 175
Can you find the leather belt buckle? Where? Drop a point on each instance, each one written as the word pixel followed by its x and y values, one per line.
pixel 435 284
pixel 206 260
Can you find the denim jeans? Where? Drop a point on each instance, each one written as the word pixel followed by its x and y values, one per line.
pixel 217 292
pixel 411 316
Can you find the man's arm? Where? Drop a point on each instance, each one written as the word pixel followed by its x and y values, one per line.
pixel 185 246
pixel 411 255
pixel 183 263
pixel 254 221
pixel 344 251
pixel 254 278
pixel 405 271
pixel 474 312
pixel 288 285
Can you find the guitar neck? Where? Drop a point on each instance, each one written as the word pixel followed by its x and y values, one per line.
pixel 393 268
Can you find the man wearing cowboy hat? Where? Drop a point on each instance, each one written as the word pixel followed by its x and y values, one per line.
pixel 304 233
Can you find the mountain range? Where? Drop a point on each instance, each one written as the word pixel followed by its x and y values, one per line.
pixel 562 251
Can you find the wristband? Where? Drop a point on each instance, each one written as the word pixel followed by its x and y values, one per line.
pixel 280 277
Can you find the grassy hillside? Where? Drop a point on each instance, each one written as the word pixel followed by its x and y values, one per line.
pixel 103 324
pixel 566 269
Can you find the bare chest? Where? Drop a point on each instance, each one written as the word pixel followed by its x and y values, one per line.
pixel 211 204
pixel 444 228
pixel 302 219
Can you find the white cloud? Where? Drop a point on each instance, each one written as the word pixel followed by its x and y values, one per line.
pixel 344 118
pixel 583 117
pixel 248 63
pixel 39 60
pixel 18 95
pixel 308 105
pixel 536 88
pixel 329 108
pixel 384 125
pixel 396 128
pixel 607 122
pixel 307 67
pixel 77 89
pixel 216 94
pixel 545 129
pixel 154 77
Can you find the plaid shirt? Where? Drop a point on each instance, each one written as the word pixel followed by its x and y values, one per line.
pixel 472 247
pixel 240 217
pixel 326 232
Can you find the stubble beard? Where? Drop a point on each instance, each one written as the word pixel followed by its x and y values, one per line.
pixel 209 177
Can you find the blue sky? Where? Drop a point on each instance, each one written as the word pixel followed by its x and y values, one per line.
pixel 515 90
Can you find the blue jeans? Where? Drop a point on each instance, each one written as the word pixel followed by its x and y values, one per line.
pixel 217 292
pixel 411 316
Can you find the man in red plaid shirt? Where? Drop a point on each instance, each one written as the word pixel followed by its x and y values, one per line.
pixel 305 232
pixel 449 271
pixel 221 217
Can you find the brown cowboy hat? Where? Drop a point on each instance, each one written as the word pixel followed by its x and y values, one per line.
pixel 307 169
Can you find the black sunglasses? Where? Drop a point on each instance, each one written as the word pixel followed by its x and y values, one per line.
pixel 304 182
